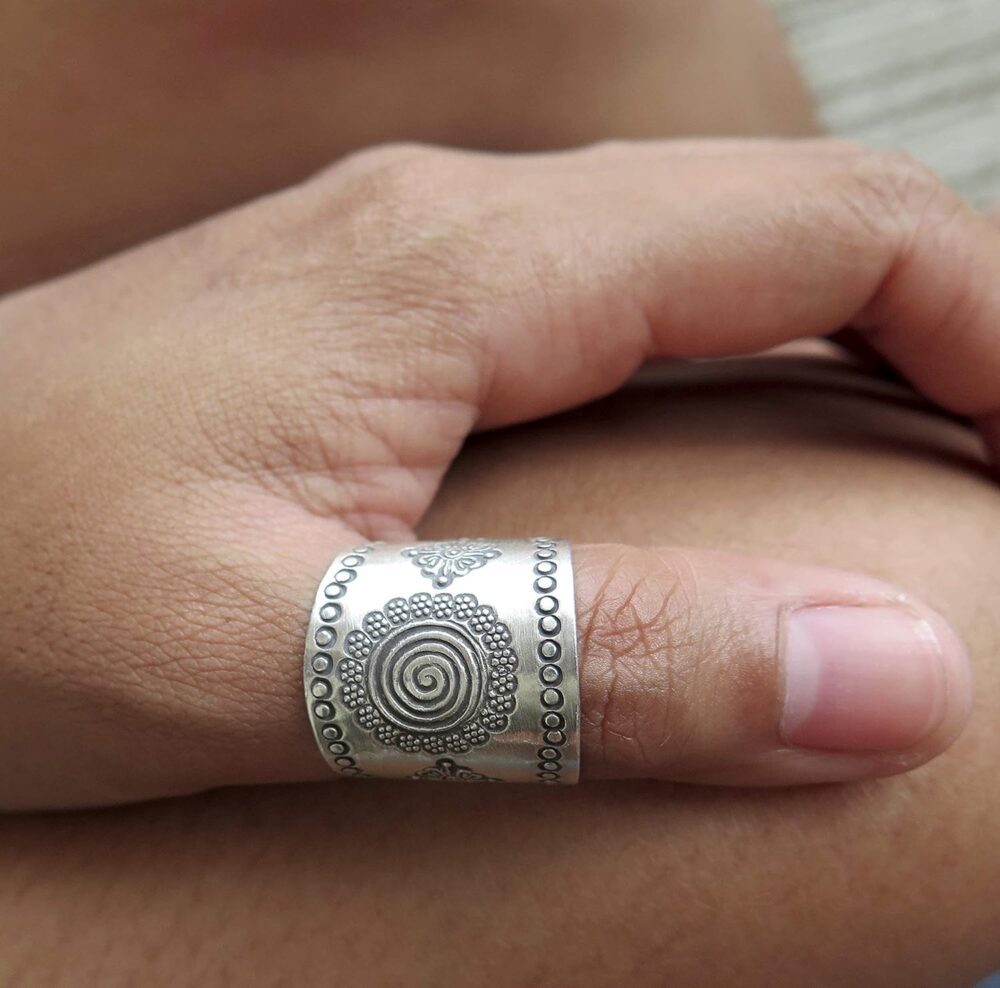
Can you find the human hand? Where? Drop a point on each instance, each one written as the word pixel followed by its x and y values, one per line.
pixel 193 429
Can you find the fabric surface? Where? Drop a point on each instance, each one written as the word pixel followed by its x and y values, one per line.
pixel 923 75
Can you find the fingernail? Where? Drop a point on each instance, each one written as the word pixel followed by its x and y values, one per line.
pixel 861 678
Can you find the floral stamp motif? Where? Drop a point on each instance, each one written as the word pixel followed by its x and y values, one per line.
pixel 446 770
pixel 430 673
pixel 444 562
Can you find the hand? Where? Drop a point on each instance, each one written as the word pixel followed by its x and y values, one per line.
pixel 193 429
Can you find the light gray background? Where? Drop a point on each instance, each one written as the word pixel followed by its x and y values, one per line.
pixel 917 74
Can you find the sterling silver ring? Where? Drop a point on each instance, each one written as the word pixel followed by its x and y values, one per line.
pixel 447 661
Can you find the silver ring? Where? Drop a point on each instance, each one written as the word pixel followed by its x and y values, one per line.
pixel 447 661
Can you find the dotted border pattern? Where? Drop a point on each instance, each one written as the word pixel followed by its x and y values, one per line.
pixel 550 674
pixel 321 664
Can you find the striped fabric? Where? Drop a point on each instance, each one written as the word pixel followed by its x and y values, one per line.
pixel 917 74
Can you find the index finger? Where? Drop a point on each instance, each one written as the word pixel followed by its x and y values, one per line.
pixel 568 270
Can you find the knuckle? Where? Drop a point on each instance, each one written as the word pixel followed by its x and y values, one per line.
pixel 895 189
pixel 395 173
pixel 911 210
pixel 409 218
pixel 641 651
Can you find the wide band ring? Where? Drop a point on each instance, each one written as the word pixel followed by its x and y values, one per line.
pixel 447 661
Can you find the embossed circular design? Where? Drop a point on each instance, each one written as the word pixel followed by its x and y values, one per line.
pixel 427 677
pixel 550 652
pixel 551 675
pixel 549 625
pixel 434 673
pixel 321 663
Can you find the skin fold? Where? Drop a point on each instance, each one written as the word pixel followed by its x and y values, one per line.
pixel 885 883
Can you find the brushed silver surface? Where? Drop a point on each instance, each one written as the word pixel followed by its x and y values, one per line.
pixel 447 661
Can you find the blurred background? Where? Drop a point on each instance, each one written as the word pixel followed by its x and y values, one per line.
pixel 919 74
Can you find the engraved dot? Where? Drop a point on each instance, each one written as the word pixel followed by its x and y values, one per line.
pixel 322 663
pixel 344 575
pixel 555 737
pixel 321 689
pixel 548 754
pixel 553 720
pixel 330 612
pixel 323 710
pixel 552 675
pixel 334 590
pixel 550 766
pixel 546 605
pixel 550 650
pixel 545 584
pixel 344 761
pixel 545 568
pixel 545 554
pixel 325 636
pixel 334 733
pixel 337 748
pixel 548 776
pixel 549 625
pixel 352 561
pixel 552 698
pixel 351 770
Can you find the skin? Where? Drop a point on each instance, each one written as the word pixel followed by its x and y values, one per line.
pixel 203 843
pixel 299 374
pixel 124 120
pixel 620 883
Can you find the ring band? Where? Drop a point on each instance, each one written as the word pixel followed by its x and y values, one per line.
pixel 447 661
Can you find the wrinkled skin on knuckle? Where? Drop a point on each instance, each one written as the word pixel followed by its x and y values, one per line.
pixel 378 364
pixel 899 195
pixel 405 218
pixel 641 650
pixel 355 373
pixel 915 215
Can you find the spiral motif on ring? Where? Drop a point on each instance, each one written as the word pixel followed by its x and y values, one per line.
pixel 430 674
pixel 428 677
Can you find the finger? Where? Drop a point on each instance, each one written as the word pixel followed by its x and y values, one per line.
pixel 704 667
pixel 566 271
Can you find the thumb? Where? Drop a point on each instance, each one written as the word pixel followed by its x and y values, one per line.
pixel 705 667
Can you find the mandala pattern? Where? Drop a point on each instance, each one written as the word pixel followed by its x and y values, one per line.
pixel 430 673
pixel 445 770
pixel 445 562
